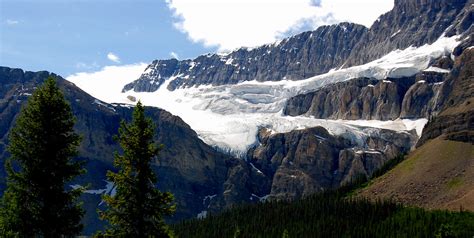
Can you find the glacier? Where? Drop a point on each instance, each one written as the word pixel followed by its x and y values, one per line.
pixel 229 117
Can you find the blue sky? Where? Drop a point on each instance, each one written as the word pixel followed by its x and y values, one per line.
pixel 72 36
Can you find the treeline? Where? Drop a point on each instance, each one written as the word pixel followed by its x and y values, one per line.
pixel 43 146
pixel 330 214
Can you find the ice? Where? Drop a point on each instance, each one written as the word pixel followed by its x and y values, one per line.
pixel 436 69
pixel 229 117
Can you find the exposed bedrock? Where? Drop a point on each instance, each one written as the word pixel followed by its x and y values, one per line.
pixel 302 162
pixel 370 99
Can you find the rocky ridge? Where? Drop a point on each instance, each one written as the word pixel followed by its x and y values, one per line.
pixel 298 57
pixel 412 23
pixel 409 23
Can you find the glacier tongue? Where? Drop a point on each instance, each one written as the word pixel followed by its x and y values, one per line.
pixel 230 116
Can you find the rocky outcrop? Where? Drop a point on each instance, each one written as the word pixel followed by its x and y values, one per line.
pixel 303 162
pixel 364 98
pixel 423 99
pixel 456 118
pixel 411 23
pixel 298 57
pixel 419 96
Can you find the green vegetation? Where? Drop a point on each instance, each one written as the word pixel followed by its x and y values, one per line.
pixel 42 145
pixel 455 183
pixel 329 214
pixel 138 207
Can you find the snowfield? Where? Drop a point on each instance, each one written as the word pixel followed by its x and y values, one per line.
pixel 229 116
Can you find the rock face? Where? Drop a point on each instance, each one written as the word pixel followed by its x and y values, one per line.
pixel 412 23
pixel 369 99
pixel 303 162
pixel 409 23
pixel 364 98
pixel 456 118
pixel 297 57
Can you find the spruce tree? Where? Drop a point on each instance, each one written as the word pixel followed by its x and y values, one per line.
pixel 42 145
pixel 138 207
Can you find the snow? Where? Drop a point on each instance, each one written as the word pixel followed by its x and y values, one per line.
pixel 394 34
pixel 260 199
pixel 192 64
pixel 368 152
pixel 320 137
pixel 255 168
pixel 207 200
pixel 396 125
pixel 109 189
pixel 436 69
pixel 202 215
pixel 98 102
pixel 228 117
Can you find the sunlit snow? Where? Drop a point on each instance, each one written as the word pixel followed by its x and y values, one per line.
pixel 230 116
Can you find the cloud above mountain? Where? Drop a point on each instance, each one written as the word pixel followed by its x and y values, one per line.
pixel 229 24
pixel 113 57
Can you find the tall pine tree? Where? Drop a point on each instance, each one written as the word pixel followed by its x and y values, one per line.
pixel 42 145
pixel 138 207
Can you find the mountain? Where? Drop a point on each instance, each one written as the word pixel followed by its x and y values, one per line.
pixel 411 23
pixel 412 64
pixel 298 57
pixel 285 120
pixel 302 162
pixel 187 167
pixel 202 178
pixel 439 173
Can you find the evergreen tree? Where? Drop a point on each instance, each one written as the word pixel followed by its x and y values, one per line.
pixel 138 207
pixel 42 145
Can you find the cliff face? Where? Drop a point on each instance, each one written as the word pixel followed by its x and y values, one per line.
pixel 297 57
pixel 303 162
pixel 419 96
pixel 456 118
pixel 409 23
pixel 412 23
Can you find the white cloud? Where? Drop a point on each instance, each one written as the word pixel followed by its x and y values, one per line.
pixel 109 80
pixel 230 24
pixel 113 57
pixel 174 55
pixel 12 22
